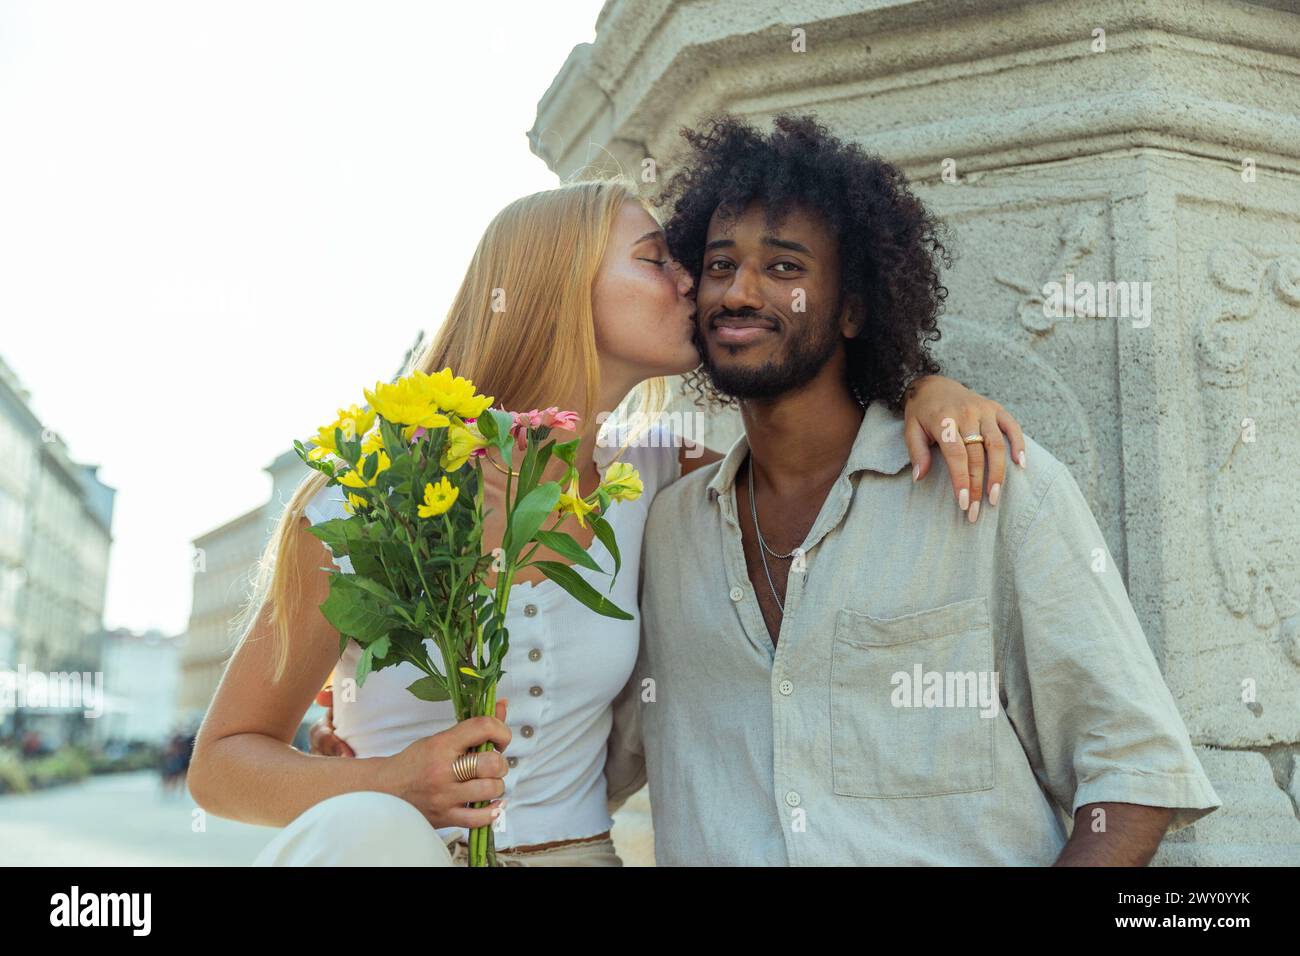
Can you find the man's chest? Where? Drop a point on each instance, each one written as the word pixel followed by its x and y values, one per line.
pixel 771 539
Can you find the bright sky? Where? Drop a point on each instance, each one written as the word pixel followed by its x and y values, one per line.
pixel 219 221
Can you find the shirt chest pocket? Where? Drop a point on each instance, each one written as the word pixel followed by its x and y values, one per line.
pixel 911 699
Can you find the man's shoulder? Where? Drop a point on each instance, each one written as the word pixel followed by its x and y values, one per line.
pixel 1026 490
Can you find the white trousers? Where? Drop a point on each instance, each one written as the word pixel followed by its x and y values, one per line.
pixel 368 828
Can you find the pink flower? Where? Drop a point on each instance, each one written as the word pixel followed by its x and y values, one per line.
pixel 550 417
pixel 565 420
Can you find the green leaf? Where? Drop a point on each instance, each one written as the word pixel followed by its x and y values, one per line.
pixel 392 438
pixel 378 590
pixel 571 581
pixel 533 466
pixel 528 517
pixel 354 611
pixel 363 541
pixel 562 543
pixel 498 423
pixel 606 535
pixel 487 426
pixel 565 451
pixel 338 534
pixel 430 689
pixel 364 666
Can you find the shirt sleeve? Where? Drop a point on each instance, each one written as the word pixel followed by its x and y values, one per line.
pixel 1082 687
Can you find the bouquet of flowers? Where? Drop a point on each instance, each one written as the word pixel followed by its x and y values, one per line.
pixel 414 534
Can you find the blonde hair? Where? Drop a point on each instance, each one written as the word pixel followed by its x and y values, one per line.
pixel 521 328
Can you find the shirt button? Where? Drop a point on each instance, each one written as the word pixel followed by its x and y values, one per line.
pixel 513 761
pixel 530 610
pixel 535 691
pixel 786 688
pixel 737 593
pixel 534 655
pixel 792 799
pixel 526 730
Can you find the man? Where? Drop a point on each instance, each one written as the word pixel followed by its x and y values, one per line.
pixel 837 667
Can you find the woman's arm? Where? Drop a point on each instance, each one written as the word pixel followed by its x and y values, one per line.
pixel 691 456
pixel 244 767
pixel 936 404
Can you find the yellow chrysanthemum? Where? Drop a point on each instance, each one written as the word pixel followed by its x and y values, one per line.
pixel 572 502
pixel 438 498
pixel 462 441
pixel 451 393
pixel 373 442
pixel 404 402
pixel 354 479
pixel 622 482
pixel 355 503
pixel 351 420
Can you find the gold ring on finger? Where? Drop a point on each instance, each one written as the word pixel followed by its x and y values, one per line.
pixel 465 767
pixel 973 439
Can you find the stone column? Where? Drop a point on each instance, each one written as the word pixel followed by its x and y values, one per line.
pixel 1145 153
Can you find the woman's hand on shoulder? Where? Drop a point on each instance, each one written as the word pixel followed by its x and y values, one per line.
pixel 942 411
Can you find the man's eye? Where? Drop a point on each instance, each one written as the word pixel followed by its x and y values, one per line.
pixel 719 264
pixel 791 265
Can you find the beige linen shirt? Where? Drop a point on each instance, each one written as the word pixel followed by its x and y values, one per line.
pixel 941 692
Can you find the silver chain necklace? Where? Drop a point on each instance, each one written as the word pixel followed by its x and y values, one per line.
pixel 763 549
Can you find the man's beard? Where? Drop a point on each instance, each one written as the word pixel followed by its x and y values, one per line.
pixel 807 351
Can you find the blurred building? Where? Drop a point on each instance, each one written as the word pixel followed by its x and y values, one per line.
pixel 225 566
pixel 225 560
pixel 141 679
pixel 55 535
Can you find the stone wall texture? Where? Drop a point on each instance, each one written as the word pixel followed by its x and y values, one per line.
pixel 1152 144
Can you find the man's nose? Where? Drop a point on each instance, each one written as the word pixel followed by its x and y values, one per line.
pixel 742 293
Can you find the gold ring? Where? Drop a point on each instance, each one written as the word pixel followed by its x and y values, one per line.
pixel 465 767
pixel 973 439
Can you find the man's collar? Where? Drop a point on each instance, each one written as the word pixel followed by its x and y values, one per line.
pixel 879 446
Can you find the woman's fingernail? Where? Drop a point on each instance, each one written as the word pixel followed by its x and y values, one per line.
pixel 993 495
pixel 916 472
pixel 1021 459
pixel 963 499
pixel 974 511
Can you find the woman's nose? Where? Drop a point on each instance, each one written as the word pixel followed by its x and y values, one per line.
pixel 685 284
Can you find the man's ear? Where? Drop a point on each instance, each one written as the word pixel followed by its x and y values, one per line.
pixel 853 317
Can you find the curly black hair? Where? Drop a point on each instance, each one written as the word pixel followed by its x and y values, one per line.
pixel 888 240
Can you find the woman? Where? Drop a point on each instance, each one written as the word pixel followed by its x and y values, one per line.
pixel 571 299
